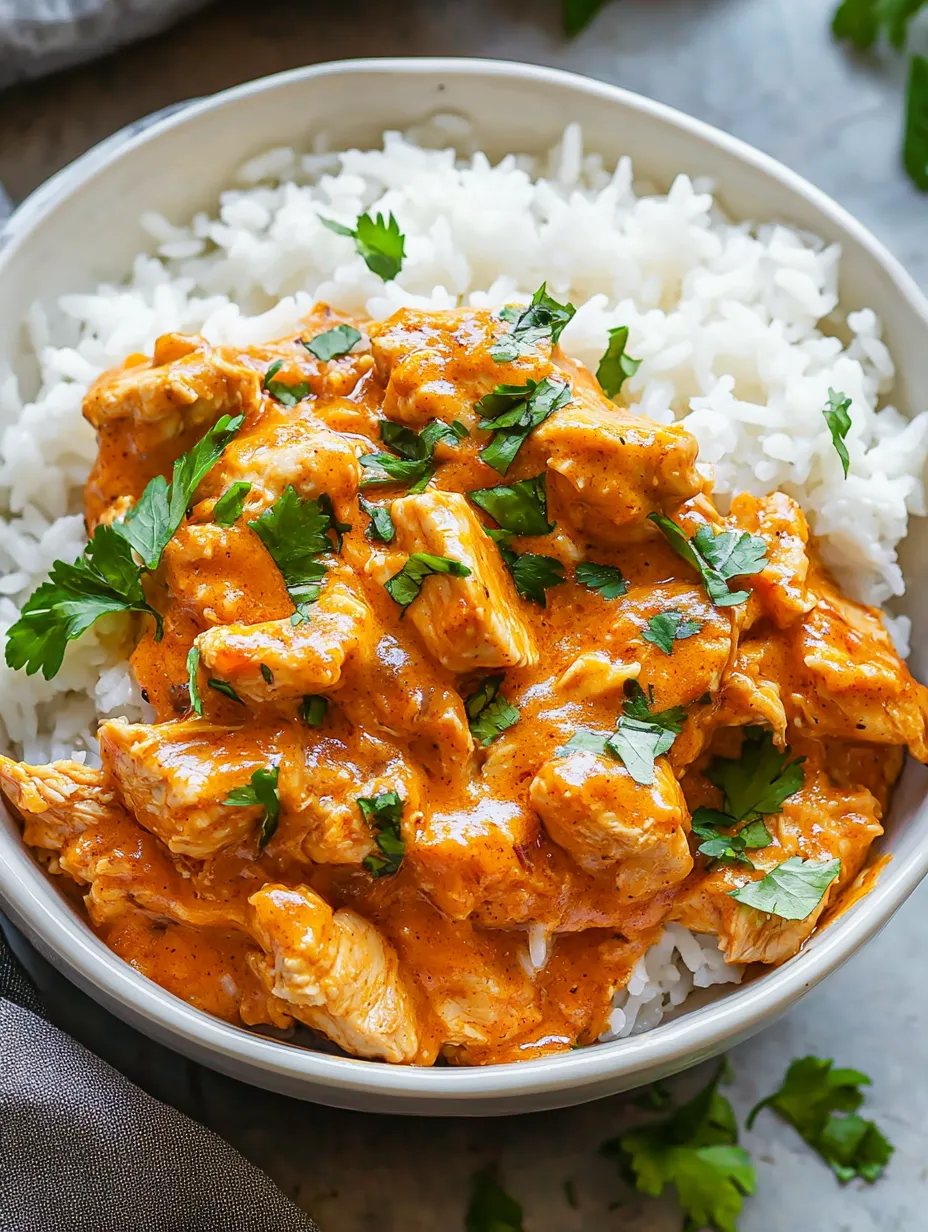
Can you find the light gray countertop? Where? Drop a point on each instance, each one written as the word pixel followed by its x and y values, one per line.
pixel 767 71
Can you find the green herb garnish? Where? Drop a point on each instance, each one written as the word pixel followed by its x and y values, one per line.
pixel 333 343
pixel 383 813
pixel 415 464
pixel 519 508
pixel 717 556
pixel 488 712
pixel 607 579
pixel 296 532
pixel 792 890
pixel 193 667
pixel 378 240
pixel 223 687
pixel 640 736
pixel 511 412
pixel 404 586
pixel 543 319
pixel 821 1104
pixel 616 367
pixel 262 792
pixel 228 509
pixel 915 147
pixel 381 526
pixel 287 395
pixel 668 627
pixel 313 709
pixel 839 424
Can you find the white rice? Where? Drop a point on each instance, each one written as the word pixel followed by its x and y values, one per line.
pixel 735 324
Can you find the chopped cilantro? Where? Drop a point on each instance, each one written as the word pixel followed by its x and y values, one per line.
pixel 381 526
pixel 511 412
pixel 640 736
pixel 313 709
pixel 488 712
pixel 821 1104
pixel 415 464
pixel 228 509
pixel 404 586
pixel 267 674
pixel 262 791
pixel 223 687
pixel 607 579
pixel 533 575
pixel 717 556
pixel 696 1150
pixel 334 343
pixel 491 1209
pixel 378 240
pixel 287 395
pixel 543 319
pixel 193 667
pixel 615 366
pixel 665 628
pixel 519 508
pixel 839 424
pixel 296 532
pixel 383 813
pixel 792 890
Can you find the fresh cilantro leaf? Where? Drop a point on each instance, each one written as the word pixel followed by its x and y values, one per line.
pixel 193 667
pixel 543 319
pixel 607 579
pixel 585 741
pixel 792 890
pixel 287 395
pixel 511 412
pixel 262 792
pixel 488 712
pixel 266 674
pixel 821 1104
pixel 717 556
pixel 533 575
pixel 303 600
pixel 384 813
pixel 415 464
pixel 313 709
pixel 404 586
pixel 491 1209
pixel 839 424
pixel 579 13
pixel 228 509
pixel 378 240
pixel 696 1150
pixel 858 21
pixel 152 523
pixel 640 736
pixel 667 627
pixel 520 508
pixel 334 343
pixel 759 780
pixel 296 532
pixel 105 579
pixel 915 143
pixel 381 525
pixel 638 705
pixel 615 366
pixel 223 687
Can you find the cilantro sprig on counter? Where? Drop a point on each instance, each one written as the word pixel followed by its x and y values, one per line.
pixel 107 577
pixel 616 366
pixel 640 737
pixel 384 813
pixel 718 556
pixel 415 461
pixel 512 412
pixel 821 1102
pixel 378 240
pixel 543 320
pixel 489 714
pixel 260 792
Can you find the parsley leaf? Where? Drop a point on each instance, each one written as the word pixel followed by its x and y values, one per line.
pixel 511 412
pixel 333 343
pixel 821 1105
pixel 381 526
pixel 640 736
pixel 665 628
pixel 416 450
pixel 585 741
pixel 615 366
pixel 717 556
pixel 544 318
pixel 193 666
pixel 223 687
pixel 287 395
pixel 378 240
pixel 607 579
pixel 533 575
pixel 262 791
pixel 313 709
pixel 520 508
pixel 488 712
pixel 228 509
pixel 404 586
pixel 696 1150
pixel 295 532
pixel 105 579
pixel 384 813
pixel 915 147
pixel 839 424
pixel 792 890
pixel 491 1209
pixel 759 780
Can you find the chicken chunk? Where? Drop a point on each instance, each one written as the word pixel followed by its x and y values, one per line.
pixel 186 382
pixel 57 802
pixel 176 777
pixel 216 573
pixel 281 451
pixel 781 586
pixel 336 973
pixel 278 660
pixel 469 855
pixel 610 469
pixel 594 674
pixel 592 807
pixel 467 623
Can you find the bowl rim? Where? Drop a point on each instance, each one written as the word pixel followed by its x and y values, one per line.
pixel 693 1036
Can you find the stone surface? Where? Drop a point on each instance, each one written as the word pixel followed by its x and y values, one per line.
pixel 767 71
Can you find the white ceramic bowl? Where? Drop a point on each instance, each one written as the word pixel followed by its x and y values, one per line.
pixel 83 228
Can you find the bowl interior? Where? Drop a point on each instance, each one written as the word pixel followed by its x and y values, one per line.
pixel 85 230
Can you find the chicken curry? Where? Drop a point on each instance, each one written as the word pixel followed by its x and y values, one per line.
pixel 461 688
